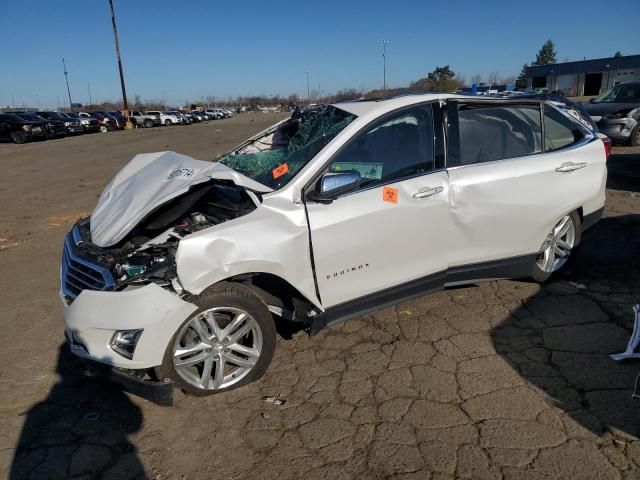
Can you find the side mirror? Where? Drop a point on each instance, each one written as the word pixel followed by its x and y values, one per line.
pixel 332 185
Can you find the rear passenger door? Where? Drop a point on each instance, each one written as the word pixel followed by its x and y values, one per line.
pixel 506 192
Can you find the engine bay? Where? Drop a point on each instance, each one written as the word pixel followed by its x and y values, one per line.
pixel 147 253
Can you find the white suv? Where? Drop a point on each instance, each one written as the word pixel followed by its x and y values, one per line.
pixel 165 118
pixel 185 266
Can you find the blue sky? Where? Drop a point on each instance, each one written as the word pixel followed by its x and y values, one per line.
pixel 193 49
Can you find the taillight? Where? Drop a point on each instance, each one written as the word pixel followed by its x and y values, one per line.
pixel 607 146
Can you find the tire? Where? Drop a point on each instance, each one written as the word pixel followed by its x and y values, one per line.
pixel 147 123
pixel 634 139
pixel 167 123
pixel 232 303
pixel 558 244
pixel 19 137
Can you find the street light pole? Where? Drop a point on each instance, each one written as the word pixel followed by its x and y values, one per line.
pixel 127 123
pixel 308 90
pixel 384 64
pixel 89 88
pixel 66 79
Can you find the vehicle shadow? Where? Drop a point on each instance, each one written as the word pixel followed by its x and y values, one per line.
pixel 560 340
pixel 79 431
pixel 624 171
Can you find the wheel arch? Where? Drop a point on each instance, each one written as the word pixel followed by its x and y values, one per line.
pixel 282 298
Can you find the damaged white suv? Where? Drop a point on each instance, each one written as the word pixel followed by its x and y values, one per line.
pixel 184 266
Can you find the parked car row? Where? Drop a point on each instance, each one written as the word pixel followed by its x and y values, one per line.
pixel 22 127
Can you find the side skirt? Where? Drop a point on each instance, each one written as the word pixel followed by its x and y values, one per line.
pixel 375 301
pixel 515 267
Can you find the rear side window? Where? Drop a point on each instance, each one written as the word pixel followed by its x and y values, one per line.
pixel 487 133
pixel 398 147
pixel 559 131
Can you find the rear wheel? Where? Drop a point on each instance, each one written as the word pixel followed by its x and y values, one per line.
pixel 228 342
pixel 167 122
pixel 147 123
pixel 19 137
pixel 557 247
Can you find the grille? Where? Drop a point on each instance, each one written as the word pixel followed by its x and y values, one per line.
pixel 77 273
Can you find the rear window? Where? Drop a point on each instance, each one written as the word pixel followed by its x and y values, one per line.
pixel 487 133
pixel 559 131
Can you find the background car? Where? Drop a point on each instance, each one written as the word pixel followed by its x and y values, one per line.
pixel 201 116
pixel 145 119
pixel 106 121
pixel 53 128
pixel 617 112
pixel 90 124
pixel 73 125
pixel 19 130
pixel 119 118
pixel 165 119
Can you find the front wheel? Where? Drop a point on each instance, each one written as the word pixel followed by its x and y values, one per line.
pixel 19 137
pixel 228 342
pixel 147 123
pixel 557 247
pixel 634 140
pixel 167 122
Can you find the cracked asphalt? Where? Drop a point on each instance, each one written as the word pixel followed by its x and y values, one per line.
pixel 500 380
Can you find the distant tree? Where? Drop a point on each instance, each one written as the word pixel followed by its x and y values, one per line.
pixel 442 79
pixel 493 78
pixel 547 54
pixel 521 81
pixel 477 79
pixel 618 54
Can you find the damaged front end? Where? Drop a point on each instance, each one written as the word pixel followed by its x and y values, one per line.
pixel 147 253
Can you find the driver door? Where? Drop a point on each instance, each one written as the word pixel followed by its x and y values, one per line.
pixel 390 235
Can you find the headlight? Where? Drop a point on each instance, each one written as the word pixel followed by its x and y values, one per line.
pixel 84 122
pixel 26 128
pixel 124 342
pixel 67 124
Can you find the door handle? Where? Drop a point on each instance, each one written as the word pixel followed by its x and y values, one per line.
pixel 427 192
pixel 570 167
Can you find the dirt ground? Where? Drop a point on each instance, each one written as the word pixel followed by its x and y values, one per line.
pixel 498 380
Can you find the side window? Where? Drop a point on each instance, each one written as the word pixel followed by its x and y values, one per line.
pixel 397 147
pixel 495 132
pixel 559 131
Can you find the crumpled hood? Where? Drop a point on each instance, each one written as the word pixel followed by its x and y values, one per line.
pixel 148 181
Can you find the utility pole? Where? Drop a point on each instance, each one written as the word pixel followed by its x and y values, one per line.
pixel 308 90
pixel 58 100
pixel 13 101
pixel 89 88
pixel 384 64
pixel 66 79
pixel 38 101
pixel 127 123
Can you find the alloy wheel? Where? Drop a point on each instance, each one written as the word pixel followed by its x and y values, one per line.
pixel 217 348
pixel 557 247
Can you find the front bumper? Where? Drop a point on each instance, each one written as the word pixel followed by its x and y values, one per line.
pixel 94 316
pixel 158 392
pixel 618 129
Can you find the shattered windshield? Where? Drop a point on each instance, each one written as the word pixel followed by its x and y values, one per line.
pixel 276 157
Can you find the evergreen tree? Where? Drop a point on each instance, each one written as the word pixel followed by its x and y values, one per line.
pixel 521 81
pixel 546 55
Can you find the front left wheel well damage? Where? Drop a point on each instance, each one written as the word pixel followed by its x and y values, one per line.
pixel 282 298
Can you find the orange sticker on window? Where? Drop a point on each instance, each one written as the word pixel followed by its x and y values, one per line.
pixel 280 171
pixel 390 194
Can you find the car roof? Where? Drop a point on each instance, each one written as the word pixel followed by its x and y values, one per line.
pixel 380 106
